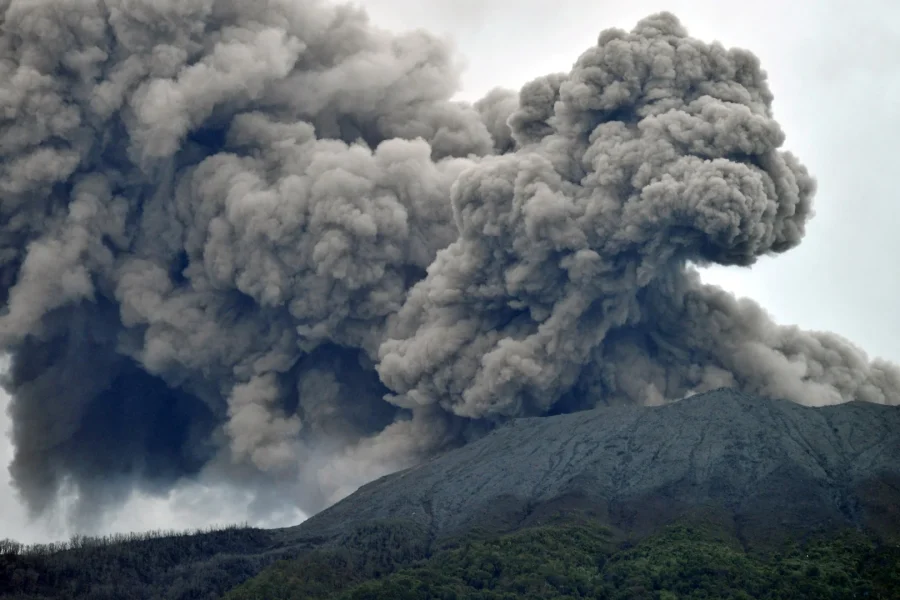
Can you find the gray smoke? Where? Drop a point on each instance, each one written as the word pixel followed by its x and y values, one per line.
pixel 258 241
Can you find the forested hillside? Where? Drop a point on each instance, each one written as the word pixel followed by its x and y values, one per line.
pixel 583 560
pixel 166 565
pixel 561 560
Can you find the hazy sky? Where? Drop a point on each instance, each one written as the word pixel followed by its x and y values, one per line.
pixel 833 69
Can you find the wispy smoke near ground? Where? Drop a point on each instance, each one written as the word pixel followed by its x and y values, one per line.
pixel 256 242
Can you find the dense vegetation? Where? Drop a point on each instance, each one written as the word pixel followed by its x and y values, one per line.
pixel 399 561
pixel 571 561
pixel 157 565
pixel 368 553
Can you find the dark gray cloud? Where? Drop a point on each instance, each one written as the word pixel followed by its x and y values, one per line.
pixel 258 241
pixel 569 272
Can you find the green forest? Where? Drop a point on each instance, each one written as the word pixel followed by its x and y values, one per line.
pixel 192 564
pixel 563 562
pixel 399 561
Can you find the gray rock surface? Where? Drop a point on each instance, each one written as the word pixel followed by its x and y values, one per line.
pixel 766 463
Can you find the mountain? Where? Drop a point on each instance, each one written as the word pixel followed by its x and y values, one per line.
pixel 743 480
pixel 762 465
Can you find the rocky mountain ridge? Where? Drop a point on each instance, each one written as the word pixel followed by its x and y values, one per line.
pixel 749 470
pixel 760 464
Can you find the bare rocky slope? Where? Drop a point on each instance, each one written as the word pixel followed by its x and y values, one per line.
pixel 760 466
pixel 765 470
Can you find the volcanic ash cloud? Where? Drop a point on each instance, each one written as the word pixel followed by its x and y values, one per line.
pixel 569 274
pixel 259 242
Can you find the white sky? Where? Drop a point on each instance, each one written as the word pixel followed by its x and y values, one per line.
pixel 834 69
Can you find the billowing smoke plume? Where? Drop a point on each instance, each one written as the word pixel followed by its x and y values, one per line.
pixel 259 240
